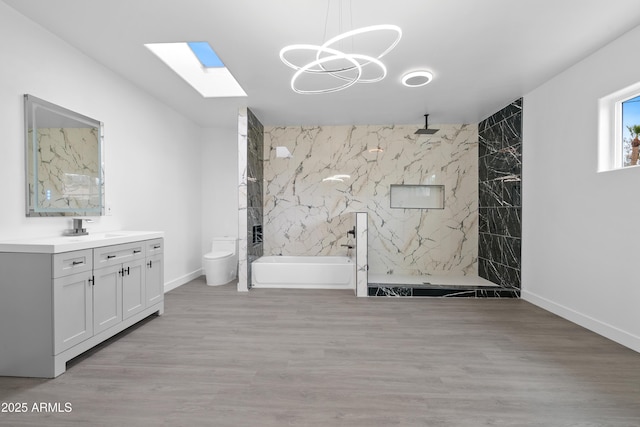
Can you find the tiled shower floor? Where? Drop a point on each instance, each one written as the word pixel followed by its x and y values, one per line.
pixel 440 280
pixel 436 286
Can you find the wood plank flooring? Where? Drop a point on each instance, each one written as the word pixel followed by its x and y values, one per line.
pixel 325 358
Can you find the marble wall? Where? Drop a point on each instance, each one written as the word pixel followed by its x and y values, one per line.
pixel 255 188
pixel 305 196
pixel 250 194
pixel 500 199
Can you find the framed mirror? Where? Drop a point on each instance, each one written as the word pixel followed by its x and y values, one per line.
pixel 64 161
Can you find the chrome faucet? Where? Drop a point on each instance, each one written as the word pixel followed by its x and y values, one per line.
pixel 77 229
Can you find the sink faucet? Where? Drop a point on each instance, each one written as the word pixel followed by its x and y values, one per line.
pixel 77 229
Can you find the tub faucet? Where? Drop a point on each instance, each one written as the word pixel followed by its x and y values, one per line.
pixel 347 246
pixel 352 232
pixel 77 229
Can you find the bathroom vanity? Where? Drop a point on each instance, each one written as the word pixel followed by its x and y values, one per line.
pixel 61 296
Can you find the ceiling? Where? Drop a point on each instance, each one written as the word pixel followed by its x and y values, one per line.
pixel 483 54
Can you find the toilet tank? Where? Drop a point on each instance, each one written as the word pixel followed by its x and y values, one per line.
pixel 225 243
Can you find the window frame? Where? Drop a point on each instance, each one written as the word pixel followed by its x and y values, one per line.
pixel 610 132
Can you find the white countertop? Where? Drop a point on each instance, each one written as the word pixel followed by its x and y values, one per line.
pixel 57 244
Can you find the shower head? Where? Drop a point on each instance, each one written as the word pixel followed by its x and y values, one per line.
pixel 426 130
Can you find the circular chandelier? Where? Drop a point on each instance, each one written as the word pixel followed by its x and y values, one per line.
pixel 348 66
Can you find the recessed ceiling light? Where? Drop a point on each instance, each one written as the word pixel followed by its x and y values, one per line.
pixel 417 78
pixel 199 66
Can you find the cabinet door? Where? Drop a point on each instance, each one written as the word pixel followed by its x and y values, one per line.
pixel 107 298
pixel 72 308
pixel 133 292
pixel 154 280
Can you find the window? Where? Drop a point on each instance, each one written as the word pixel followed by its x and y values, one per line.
pixel 619 129
pixel 630 131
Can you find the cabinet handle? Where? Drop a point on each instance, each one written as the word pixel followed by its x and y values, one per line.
pixel 92 281
pixel 156 246
pixel 77 262
pixel 127 271
pixel 150 264
pixel 110 256
pixel 136 251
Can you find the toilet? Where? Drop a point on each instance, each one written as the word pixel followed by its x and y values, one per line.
pixel 221 264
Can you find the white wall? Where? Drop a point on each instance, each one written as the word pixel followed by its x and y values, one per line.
pixel 153 179
pixel 580 228
pixel 219 183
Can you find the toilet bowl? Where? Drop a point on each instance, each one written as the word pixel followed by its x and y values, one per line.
pixel 221 264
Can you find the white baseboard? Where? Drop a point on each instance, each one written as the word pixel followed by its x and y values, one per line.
pixel 601 328
pixel 168 286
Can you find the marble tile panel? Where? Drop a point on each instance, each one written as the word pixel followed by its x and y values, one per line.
pixel 487 146
pixel 300 208
pixel 498 273
pixel 503 165
pixel 483 220
pixel 362 253
pixel 500 197
pixel 512 193
pixel 391 291
pixel 491 193
pixel 511 249
pixel 514 108
pixel 505 221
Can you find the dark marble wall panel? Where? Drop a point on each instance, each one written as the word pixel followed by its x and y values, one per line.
pixel 500 196
pixel 255 179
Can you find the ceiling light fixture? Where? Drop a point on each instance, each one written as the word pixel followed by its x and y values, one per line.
pixel 327 60
pixel 417 78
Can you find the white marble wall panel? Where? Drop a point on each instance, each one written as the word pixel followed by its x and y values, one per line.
pixel 302 210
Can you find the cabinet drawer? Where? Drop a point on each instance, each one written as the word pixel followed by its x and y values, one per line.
pixel 117 254
pixel 155 246
pixel 67 263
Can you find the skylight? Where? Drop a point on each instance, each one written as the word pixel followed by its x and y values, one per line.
pixel 198 64
pixel 205 54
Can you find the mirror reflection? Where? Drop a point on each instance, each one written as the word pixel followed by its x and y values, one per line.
pixel 63 161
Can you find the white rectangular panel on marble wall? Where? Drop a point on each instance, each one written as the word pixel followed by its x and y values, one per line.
pixel 303 210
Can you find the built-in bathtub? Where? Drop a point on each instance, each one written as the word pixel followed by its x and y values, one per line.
pixel 311 272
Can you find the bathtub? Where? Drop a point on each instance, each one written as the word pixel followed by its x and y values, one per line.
pixel 310 272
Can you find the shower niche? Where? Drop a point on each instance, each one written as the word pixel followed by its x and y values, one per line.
pixel 416 196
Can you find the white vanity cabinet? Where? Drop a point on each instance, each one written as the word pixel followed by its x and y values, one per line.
pixel 72 298
pixel 154 275
pixel 56 304
pixel 120 273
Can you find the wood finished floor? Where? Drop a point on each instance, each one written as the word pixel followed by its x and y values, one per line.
pixel 325 358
